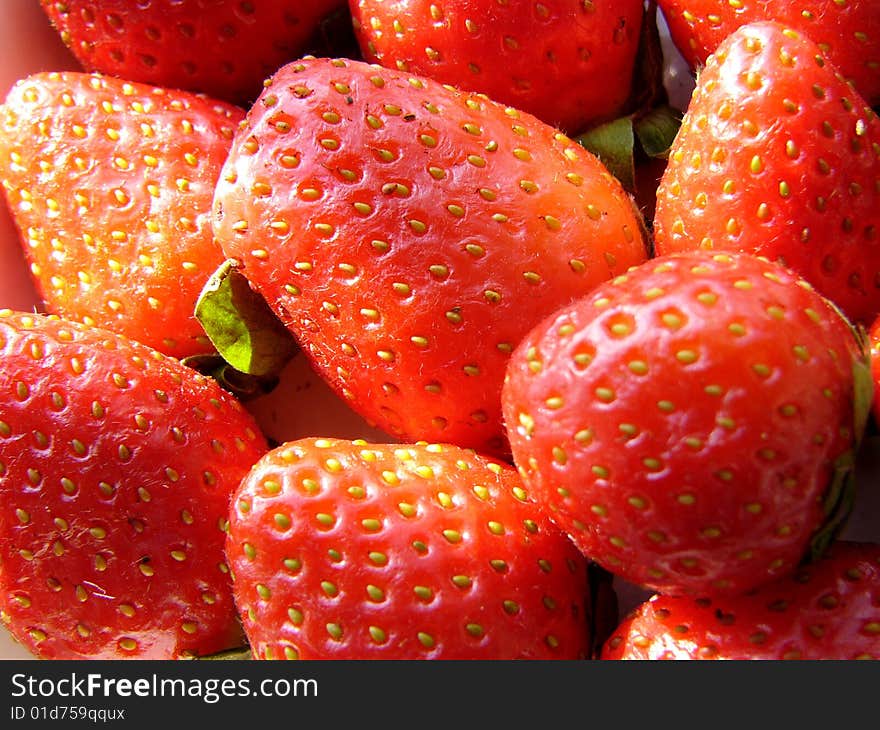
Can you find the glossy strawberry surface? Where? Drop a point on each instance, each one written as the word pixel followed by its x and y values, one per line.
pixel 110 185
pixel 778 156
pixel 225 48
pixel 569 64
pixel 351 550
pixel 829 610
pixel 847 32
pixel 691 423
pixel 116 468
pixel 409 234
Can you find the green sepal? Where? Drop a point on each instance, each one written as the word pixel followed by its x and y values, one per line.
pixel 614 144
pixel 622 143
pixel 238 654
pixel 656 130
pixel 241 325
pixel 840 498
pixel 837 505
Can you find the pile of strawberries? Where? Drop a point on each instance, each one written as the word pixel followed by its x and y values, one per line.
pixel 577 374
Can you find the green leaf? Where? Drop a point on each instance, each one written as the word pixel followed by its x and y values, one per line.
pixel 614 144
pixel 656 130
pixel 240 324
pixel 841 495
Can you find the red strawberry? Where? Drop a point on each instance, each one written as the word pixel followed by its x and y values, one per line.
pixel 569 64
pixel 828 610
pixel 409 234
pixel 778 156
pixel 691 424
pixel 846 31
pixel 225 48
pixel 110 184
pixel 117 465
pixel 873 335
pixel 348 550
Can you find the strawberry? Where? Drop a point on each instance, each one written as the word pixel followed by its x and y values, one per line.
pixel 691 424
pixel 224 48
pixel 846 31
pixel 780 157
pixel 110 184
pixel 409 234
pixel 569 64
pixel 827 610
pixel 348 550
pixel 873 335
pixel 117 466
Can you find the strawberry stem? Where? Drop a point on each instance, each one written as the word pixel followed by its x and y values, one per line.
pixel 242 385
